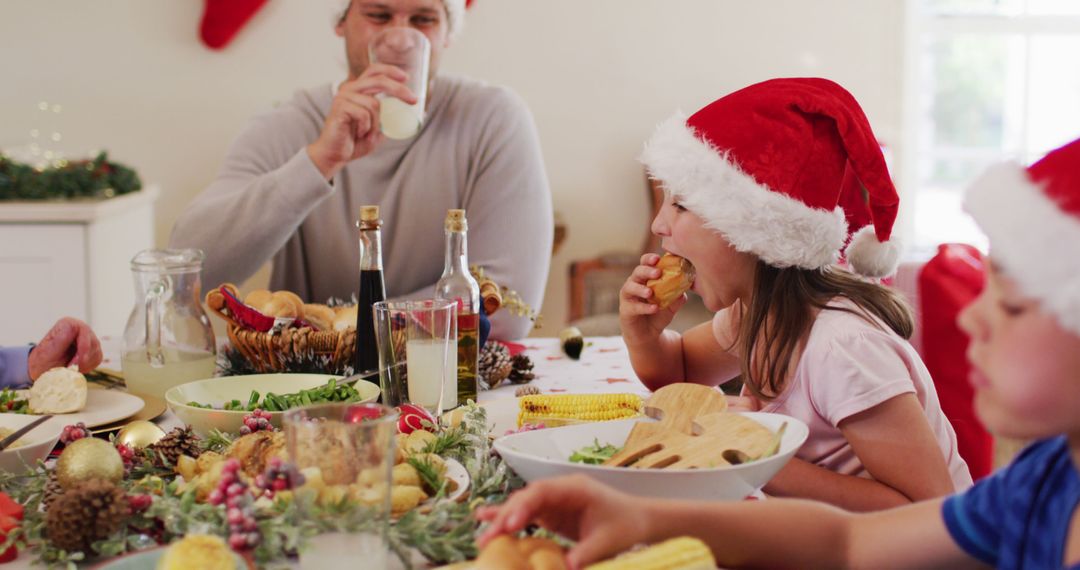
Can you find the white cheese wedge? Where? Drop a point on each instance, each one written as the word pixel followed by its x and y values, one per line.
pixel 58 391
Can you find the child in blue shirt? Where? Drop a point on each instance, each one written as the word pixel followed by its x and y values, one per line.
pixel 1025 355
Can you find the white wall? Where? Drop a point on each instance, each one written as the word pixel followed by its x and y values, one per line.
pixel 598 74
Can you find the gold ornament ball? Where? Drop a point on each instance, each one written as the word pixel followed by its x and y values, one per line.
pixel 89 458
pixel 140 434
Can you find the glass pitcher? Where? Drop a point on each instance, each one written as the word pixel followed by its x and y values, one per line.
pixel 168 339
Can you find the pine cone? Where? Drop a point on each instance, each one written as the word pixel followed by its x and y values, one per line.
pixel 527 390
pixel 51 491
pixel 88 512
pixel 495 363
pixel 179 441
pixel 522 371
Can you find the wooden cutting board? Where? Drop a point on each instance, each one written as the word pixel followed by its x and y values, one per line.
pixel 675 406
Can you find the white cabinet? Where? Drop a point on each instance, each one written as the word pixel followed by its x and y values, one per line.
pixel 70 259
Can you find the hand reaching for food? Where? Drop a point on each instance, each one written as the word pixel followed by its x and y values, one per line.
pixel 69 342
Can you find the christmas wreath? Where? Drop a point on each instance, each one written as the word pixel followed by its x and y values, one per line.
pixel 95 178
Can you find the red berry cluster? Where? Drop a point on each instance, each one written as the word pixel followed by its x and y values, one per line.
pixel 258 420
pixel 279 476
pixel 139 503
pixel 127 454
pixel 233 493
pixel 73 432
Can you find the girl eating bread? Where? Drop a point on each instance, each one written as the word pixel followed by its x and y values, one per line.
pixel 752 185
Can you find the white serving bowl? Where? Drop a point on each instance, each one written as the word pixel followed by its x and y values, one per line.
pixel 217 391
pixel 545 453
pixel 35 445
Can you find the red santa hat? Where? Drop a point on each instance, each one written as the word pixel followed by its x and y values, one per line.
pixel 455 13
pixel 765 167
pixel 1032 217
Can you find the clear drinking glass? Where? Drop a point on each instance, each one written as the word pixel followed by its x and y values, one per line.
pixel 345 450
pixel 418 353
pixel 410 50
pixel 168 339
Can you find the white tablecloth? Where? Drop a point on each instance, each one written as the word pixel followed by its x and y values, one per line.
pixel 604 366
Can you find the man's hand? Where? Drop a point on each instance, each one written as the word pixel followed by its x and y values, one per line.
pixel 70 341
pixel 351 129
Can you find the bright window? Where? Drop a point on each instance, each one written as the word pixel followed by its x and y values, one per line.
pixel 995 79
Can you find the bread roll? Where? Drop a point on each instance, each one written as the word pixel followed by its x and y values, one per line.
pixel 502 554
pixel 547 559
pixel 345 318
pixel 676 278
pixel 529 553
pixel 58 391
pixel 319 315
pixel 292 298
pixel 258 298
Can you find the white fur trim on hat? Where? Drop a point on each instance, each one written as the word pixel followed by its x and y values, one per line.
pixel 1031 238
pixel 455 14
pixel 869 257
pixel 782 231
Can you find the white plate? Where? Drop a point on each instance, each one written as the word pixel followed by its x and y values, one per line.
pixel 545 453
pixel 456 472
pixel 102 407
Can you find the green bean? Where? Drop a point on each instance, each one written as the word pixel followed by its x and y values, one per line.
pixel 332 391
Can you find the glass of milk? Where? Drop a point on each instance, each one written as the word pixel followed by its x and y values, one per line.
pixel 417 343
pixel 410 50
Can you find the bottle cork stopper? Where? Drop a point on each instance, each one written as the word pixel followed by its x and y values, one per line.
pixel 369 213
pixel 455 220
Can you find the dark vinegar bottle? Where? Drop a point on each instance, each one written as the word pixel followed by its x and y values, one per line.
pixel 372 290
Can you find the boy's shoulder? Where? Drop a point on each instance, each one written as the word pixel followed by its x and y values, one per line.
pixel 1042 455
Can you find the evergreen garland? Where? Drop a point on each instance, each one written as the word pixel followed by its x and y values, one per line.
pixel 96 178
pixel 445 533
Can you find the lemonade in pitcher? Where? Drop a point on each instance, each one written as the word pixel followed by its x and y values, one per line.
pixel 181 366
pixel 168 340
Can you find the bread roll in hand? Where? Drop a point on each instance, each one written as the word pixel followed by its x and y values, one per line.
pixel 677 277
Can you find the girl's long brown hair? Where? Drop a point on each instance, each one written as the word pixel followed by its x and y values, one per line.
pixel 781 313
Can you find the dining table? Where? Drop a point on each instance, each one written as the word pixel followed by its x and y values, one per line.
pixel 603 367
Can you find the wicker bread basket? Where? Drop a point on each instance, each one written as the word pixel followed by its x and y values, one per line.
pixel 270 351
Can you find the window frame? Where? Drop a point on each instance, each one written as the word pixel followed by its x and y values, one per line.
pixel 921 24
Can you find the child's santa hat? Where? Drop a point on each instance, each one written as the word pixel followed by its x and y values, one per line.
pixel 455 14
pixel 1032 217
pixel 765 167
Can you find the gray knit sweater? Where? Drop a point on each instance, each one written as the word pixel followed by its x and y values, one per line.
pixel 478 150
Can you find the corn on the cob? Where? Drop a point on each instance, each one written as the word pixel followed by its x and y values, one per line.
pixel 560 409
pixel 683 553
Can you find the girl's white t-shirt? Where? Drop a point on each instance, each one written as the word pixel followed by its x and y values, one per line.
pixel 850 365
